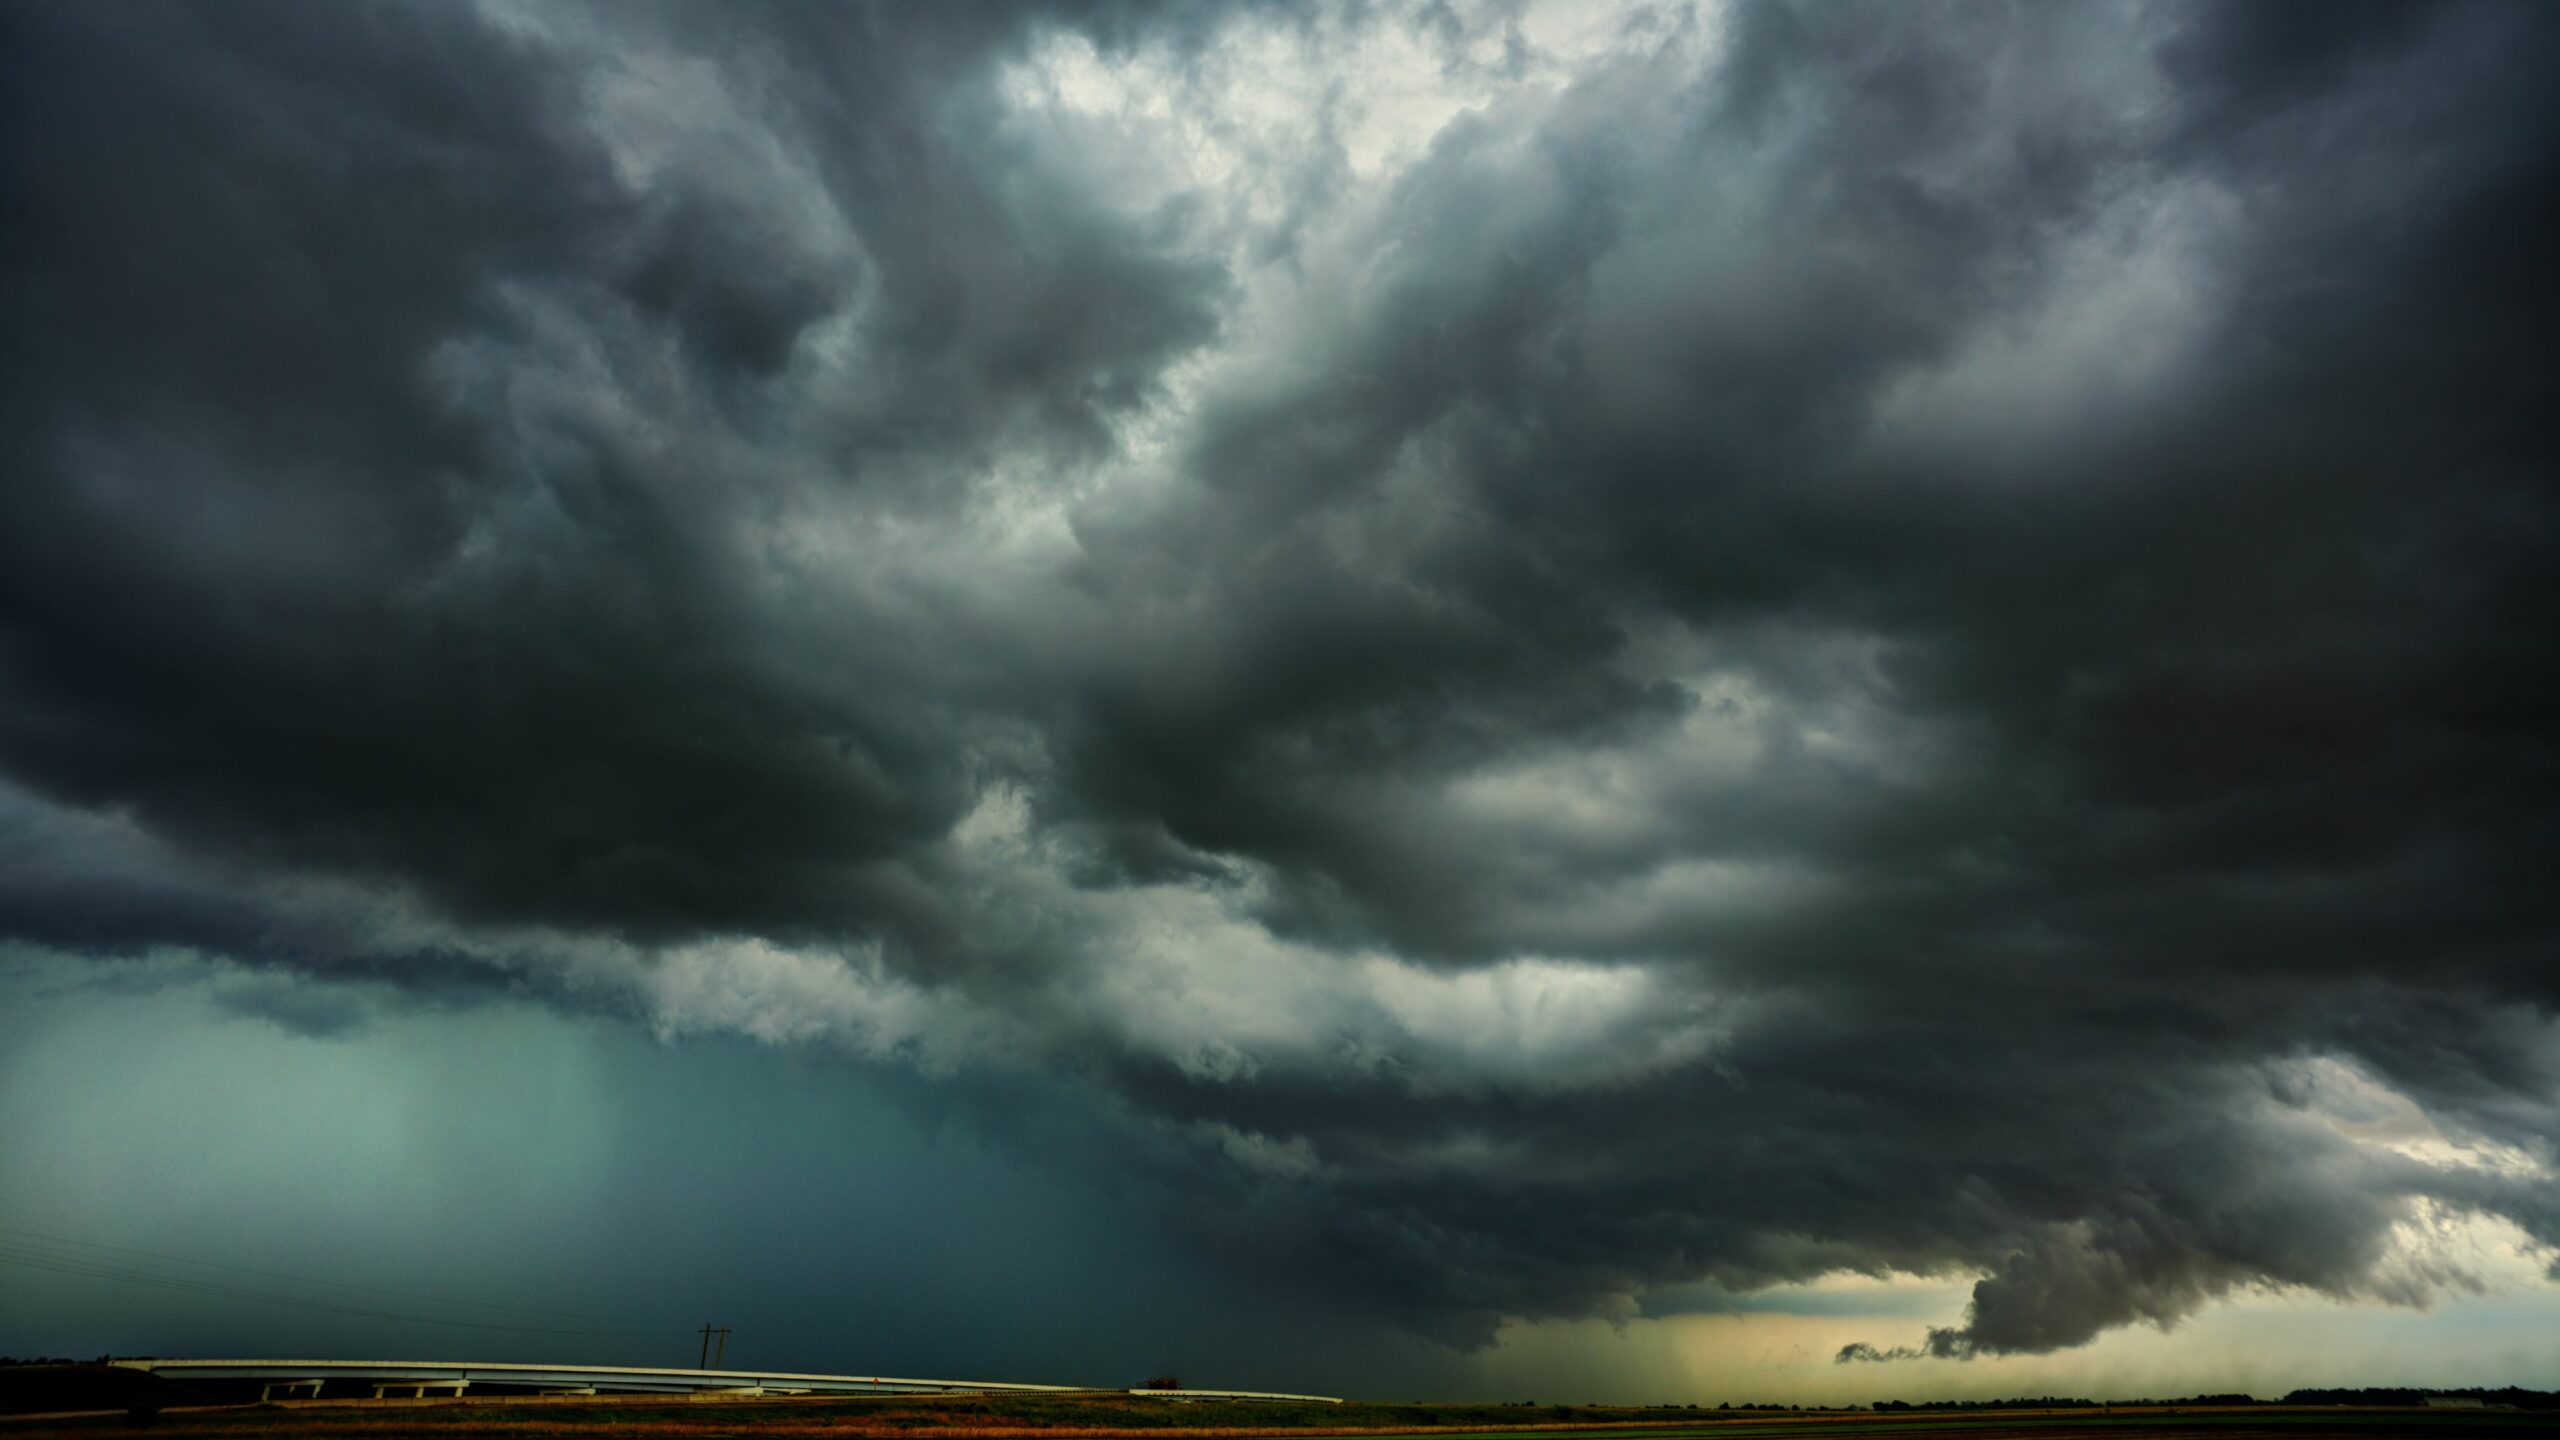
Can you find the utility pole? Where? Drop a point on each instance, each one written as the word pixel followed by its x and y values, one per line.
pixel 709 1330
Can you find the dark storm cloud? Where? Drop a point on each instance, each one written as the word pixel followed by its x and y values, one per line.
pixel 376 554
pixel 1880 638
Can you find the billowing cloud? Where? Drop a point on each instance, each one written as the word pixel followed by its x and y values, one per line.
pixel 1569 653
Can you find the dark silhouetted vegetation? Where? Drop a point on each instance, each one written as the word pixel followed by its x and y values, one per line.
pixel 29 1387
pixel 2022 1402
pixel 2510 1396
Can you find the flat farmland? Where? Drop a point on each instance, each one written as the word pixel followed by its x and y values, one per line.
pixel 1064 1417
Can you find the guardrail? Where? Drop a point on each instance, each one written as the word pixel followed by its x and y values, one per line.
pixel 457 1376
pixel 300 1378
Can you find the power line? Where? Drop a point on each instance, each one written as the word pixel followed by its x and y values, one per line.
pixel 11 1256
pixel 428 1296
pixel 130 1274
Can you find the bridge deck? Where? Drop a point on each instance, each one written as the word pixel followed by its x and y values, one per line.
pixel 456 1375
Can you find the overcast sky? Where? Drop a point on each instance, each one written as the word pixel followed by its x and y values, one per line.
pixel 1669 702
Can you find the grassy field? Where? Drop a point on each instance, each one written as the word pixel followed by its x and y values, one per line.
pixel 1063 1417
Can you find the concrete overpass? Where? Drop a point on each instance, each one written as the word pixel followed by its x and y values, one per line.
pixel 380 1379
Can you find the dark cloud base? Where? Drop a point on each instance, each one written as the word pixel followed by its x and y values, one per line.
pixel 2096 467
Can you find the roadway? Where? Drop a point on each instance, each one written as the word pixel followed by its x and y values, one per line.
pixel 309 1379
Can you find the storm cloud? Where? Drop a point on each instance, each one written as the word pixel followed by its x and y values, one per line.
pixel 1565 655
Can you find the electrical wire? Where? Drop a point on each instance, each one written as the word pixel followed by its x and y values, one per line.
pixel 34 1257
pixel 9 1232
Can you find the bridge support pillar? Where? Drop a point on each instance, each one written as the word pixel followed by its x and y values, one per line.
pixel 418 1388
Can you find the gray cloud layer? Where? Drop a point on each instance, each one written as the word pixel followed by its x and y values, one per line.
pixel 1806 638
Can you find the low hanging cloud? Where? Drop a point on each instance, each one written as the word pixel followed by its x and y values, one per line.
pixel 1570 656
